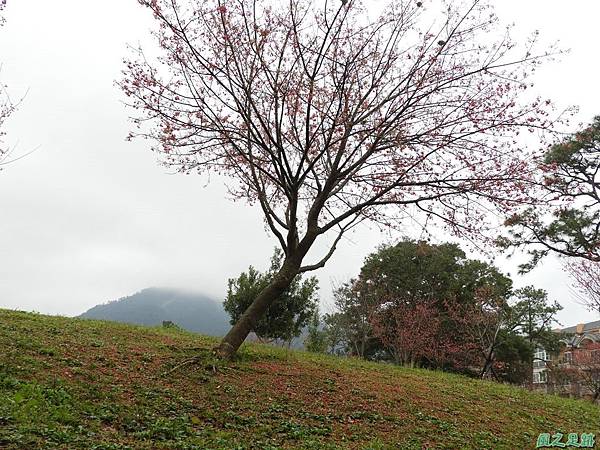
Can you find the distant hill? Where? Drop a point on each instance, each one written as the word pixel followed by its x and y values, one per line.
pixel 193 312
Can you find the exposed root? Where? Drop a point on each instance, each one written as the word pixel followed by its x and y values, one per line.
pixel 187 362
pixel 203 361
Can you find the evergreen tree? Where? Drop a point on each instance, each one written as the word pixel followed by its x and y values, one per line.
pixel 287 315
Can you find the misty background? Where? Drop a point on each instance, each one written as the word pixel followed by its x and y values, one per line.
pixel 88 217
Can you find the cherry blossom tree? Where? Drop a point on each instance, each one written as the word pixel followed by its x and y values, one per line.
pixel 409 331
pixel 325 118
pixel 482 325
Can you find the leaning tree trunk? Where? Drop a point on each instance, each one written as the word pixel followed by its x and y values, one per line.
pixel 242 328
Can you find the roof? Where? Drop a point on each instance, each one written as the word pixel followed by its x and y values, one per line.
pixel 586 327
pixel 577 340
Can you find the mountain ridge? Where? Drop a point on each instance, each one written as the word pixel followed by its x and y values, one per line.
pixel 151 306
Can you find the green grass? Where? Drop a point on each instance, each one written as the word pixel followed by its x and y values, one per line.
pixel 69 383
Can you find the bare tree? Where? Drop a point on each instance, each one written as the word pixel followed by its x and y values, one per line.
pixel 580 374
pixel 6 106
pixel 324 118
pixel 587 362
pixel 355 306
pixel 585 275
pixel 560 377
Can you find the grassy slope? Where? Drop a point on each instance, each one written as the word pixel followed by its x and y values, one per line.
pixel 68 383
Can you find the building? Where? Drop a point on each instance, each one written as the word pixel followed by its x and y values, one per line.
pixel 540 369
pixel 564 373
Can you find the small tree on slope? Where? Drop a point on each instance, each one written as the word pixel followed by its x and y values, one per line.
pixel 287 315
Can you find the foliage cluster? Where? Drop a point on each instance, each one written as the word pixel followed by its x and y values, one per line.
pixel 416 303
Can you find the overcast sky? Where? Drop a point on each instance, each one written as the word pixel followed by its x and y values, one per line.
pixel 89 218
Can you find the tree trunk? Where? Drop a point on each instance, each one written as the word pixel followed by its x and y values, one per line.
pixel 240 331
pixel 489 359
pixel 362 347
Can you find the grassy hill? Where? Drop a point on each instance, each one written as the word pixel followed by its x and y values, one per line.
pixel 72 383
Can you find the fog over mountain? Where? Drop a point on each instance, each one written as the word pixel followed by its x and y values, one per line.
pixel 192 311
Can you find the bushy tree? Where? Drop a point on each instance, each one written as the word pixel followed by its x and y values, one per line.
pixel 533 316
pixel 335 332
pixel 513 357
pixel 402 287
pixel 426 304
pixel 287 315
pixel 324 118
pixel 436 272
